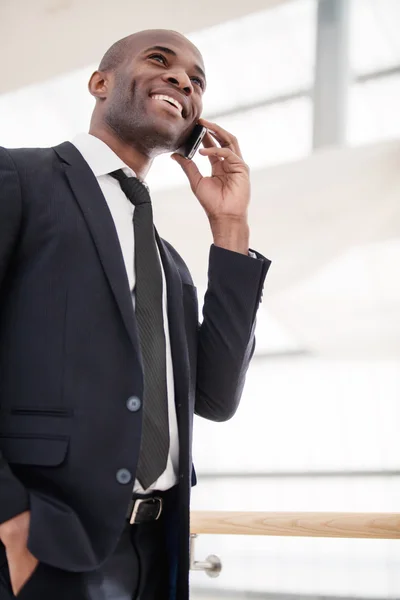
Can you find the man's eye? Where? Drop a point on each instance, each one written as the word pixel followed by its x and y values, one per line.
pixel 159 58
pixel 198 81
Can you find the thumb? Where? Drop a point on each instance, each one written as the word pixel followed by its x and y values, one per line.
pixel 190 169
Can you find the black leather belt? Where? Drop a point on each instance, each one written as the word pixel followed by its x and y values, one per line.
pixel 144 510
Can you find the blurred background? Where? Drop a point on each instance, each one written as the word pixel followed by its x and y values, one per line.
pixel 312 90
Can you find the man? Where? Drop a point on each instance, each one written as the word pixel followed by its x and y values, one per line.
pixel 102 360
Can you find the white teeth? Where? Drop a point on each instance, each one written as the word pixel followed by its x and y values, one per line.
pixel 169 99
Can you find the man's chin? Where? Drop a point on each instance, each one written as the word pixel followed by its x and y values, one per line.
pixel 164 137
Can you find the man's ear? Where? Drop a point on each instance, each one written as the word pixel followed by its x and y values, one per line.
pixel 99 84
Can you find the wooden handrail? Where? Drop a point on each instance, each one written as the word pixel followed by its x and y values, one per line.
pixel 295 524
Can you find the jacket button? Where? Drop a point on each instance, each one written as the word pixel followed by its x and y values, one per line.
pixel 133 403
pixel 124 476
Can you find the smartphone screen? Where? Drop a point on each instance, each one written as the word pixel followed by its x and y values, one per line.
pixel 191 145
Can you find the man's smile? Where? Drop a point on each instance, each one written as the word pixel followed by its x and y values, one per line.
pixel 170 101
pixel 173 97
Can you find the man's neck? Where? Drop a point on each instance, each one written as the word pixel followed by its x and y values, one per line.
pixel 131 156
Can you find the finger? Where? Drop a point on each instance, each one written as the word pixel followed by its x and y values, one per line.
pixel 232 145
pixel 232 160
pixel 208 142
pixel 226 139
pixel 190 169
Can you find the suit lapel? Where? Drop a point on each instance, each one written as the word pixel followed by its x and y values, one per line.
pixel 179 350
pixel 101 226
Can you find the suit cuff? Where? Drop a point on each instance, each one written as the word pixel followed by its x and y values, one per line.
pixel 235 271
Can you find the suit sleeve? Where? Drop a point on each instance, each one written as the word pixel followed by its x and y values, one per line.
pixel 13 495
pixel 226 336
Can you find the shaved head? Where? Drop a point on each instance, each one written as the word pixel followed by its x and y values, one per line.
pixel 129 45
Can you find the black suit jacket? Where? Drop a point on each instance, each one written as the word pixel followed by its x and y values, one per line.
pixel 69 359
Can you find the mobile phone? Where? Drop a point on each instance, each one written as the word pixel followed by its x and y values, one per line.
pixel 192 143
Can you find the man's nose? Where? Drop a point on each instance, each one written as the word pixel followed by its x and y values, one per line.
pixel 181 80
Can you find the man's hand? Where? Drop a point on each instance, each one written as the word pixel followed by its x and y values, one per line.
pixel 21 562
pixel 225 195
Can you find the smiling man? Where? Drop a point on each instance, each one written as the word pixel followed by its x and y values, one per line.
pixel 102 360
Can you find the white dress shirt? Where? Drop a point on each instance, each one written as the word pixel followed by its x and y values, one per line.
pixel 102 161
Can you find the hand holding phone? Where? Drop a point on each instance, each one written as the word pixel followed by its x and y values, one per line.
pixel 225 193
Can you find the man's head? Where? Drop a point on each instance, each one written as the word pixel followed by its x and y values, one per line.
pixel 149 89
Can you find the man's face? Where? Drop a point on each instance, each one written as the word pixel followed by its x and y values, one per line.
pixel 155 97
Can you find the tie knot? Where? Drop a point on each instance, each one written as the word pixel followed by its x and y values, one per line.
pixel 135 190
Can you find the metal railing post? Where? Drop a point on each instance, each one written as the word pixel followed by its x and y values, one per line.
pixel 212 565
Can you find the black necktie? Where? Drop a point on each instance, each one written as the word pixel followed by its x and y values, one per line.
pixel 149 316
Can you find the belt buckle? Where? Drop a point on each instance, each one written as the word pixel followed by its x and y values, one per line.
pixel 137 504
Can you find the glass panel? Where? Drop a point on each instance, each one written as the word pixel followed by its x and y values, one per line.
pixel 261 55
pixel 306 568
pixel 374 110
pixel 47 113
pixel 375 40
pixel 307 414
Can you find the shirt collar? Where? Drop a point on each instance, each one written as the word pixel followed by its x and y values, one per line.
pixel 100 158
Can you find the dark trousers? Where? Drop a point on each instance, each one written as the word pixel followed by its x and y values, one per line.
pixel 136 570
